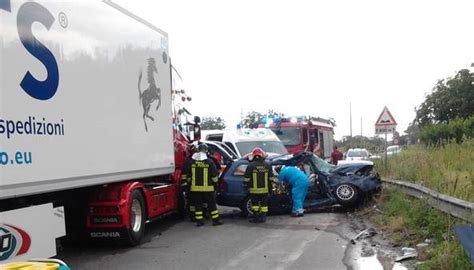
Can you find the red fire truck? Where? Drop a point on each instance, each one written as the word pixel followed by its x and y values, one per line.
pixel 303 134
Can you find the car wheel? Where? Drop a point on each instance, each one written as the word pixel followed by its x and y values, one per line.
pixel 246 207
pixel 137 214
pixel 347 195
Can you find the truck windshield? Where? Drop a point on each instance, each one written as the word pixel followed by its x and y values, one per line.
pixel 269 147
pixel 289 136
pixel 322 165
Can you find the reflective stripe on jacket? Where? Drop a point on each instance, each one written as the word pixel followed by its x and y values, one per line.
pixel 257 177
pixel 201 175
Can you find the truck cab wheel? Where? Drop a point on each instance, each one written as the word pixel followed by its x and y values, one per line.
pixel 137 213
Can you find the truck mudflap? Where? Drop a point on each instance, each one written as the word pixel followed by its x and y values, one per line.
pixel 30 232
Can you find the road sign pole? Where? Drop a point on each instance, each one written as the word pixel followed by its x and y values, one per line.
pixel 384 122
pixel 385 149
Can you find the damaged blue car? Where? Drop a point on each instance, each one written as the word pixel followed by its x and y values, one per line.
pixel 346 185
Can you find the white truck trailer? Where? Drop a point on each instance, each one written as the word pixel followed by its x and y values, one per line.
pixel 85 124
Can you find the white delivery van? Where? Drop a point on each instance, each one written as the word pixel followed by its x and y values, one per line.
pixel 243 140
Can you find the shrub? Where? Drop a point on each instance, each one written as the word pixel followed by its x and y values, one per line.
pixel 456 130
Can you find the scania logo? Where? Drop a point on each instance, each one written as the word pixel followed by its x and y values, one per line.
pixel 13 242
pixel 106 220
pixel 105 234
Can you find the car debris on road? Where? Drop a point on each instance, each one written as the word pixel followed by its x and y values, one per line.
pixel 407 253
pixel 367 233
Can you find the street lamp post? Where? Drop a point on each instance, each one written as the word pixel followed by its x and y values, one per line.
pixel 472 71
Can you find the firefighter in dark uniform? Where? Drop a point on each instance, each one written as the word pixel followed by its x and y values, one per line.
pixel 216 160
pixel 193 148
pixel 202 176
pixel 257 177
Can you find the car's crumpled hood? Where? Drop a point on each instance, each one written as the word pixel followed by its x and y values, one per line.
pixel 361 168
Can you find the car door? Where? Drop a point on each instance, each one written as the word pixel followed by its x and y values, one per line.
pixel 309 170
pixel 321 186
pixel 234 180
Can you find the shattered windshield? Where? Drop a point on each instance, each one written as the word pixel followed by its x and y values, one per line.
pixel 322 165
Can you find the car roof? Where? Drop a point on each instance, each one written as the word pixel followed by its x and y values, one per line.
pixel 357 149
pixel 224 148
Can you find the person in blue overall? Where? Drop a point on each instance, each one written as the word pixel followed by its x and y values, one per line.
pixel 299 183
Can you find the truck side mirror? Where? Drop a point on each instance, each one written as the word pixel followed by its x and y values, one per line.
pixel 197 132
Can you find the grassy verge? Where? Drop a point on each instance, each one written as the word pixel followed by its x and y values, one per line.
pixel 448 169
pixel 410 221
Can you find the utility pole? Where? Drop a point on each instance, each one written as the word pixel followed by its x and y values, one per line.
pixel 350 116
pixel 361 137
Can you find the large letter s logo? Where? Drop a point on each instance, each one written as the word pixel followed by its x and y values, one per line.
pixel 5 5
pixel 29 13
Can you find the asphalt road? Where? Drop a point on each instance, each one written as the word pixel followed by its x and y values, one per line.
pixel 311 242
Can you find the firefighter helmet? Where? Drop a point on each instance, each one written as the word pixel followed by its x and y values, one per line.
pixel 258 152
pixel 202 147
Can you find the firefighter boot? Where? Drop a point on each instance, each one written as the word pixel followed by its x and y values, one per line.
pixel 217 222
pixel 262 218
pixel 199 219
pixel 252 217
pixel 199 223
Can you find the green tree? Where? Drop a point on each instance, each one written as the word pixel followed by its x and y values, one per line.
pixel 412 132
pixel 211 122
pixel 274 114
pixel 455 130
pixel 451 98
pixel 253 118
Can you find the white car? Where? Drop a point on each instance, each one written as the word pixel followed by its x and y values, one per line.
pixel 393 150
pixel 356 155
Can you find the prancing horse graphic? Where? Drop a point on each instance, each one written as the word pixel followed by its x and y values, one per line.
pixel 151 94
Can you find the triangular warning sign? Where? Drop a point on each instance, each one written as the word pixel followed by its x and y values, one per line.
pixel 386 118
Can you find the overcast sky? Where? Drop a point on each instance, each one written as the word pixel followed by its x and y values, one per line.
pixel 313 57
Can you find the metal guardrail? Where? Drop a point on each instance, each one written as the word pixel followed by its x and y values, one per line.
pixel 450 205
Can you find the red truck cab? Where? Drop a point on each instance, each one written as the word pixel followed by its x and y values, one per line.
pixel 301 134
pixel 120 210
